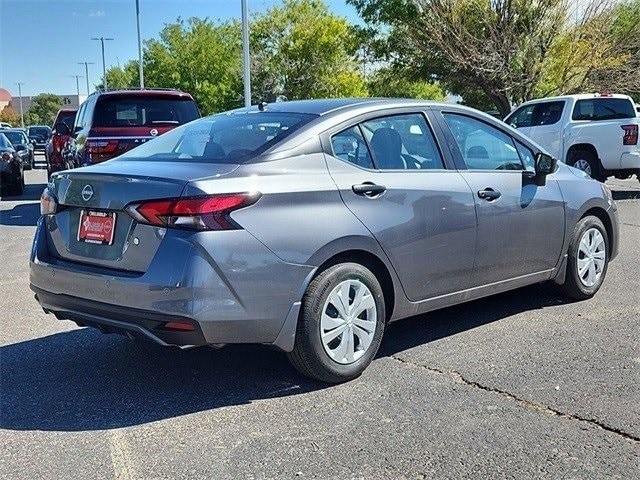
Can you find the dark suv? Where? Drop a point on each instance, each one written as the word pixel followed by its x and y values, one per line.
pixel 39 135
pixel 111 123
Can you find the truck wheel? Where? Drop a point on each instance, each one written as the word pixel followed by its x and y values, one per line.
pixel 340 325
pixel 586 161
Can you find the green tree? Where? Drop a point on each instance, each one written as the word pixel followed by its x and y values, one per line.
pixel 122 77
pixel 199 57
pixel 390 82
pixel 301 50
pixel 43 109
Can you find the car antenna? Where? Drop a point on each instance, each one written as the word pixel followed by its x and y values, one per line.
pixel 262 106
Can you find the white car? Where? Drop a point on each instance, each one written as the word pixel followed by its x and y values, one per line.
pixel 596 133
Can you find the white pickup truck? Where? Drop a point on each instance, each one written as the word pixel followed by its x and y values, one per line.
pixel 597 133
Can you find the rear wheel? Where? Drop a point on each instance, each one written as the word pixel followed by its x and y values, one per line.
pixel 340 325
pixel 588 259
pixel 586 161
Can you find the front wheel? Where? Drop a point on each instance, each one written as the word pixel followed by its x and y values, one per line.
pixel 340 325
pixel 588 259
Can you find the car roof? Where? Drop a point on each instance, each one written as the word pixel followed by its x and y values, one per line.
pixel 145 93
pixel 327 106
pixel 14 129
pixel 67 110
pixel 580 96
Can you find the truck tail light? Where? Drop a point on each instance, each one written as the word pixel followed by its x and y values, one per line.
pixel 209 212
pixel 630 135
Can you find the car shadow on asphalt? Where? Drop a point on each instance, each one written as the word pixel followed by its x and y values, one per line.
pixel 626 194
pixel 32 191
pixel 22 215
pixel 83 380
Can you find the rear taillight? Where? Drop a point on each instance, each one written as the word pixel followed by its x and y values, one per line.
pixel 6 156
pixel 195 213
pixel 48 203
pixel 101 146
pixel 630 135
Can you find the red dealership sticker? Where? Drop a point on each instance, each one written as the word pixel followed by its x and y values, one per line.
pixel 97 227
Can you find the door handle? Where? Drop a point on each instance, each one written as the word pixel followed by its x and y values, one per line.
pixel 489 194
pixel 368 189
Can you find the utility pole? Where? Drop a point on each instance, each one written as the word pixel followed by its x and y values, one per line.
pixel 77 84
pixel 139 46
pixel 20 96
pixel 86 72
pixel 104 65
pixel 246 71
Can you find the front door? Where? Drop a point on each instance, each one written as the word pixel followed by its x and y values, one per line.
pixel 520 225
pixel 391 175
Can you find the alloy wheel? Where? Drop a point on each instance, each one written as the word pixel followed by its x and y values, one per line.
pixel 583 165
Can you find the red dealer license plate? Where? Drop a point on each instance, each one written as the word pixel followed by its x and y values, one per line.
pixel 97 227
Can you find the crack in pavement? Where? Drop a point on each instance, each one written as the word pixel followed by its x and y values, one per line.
pixel 459 378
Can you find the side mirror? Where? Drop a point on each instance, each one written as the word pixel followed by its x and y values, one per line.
pixel 77 129
pixel 61 128
pixel 20 147
pixel 545 165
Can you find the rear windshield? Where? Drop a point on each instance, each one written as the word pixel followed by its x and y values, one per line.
pixel 67 119
pixel 38 131
pixel 603 109
pixel 143 111
pixel 223 138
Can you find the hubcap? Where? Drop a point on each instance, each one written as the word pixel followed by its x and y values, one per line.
pixel 592 256
pixel 584 166
pixel 348 321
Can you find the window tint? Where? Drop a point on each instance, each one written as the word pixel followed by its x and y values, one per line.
pixel 39 131
pixel 349 145
pixel 220 138
pixel 547 113
pixel 143 111
pixel 67 118
pixel 603 109
pixel 402 142
pixel 522 117
pixel 483 147
pixel 16 138
pixel 4 141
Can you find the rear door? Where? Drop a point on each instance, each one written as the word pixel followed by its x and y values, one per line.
pixel 520 225
pixel 393 177
pixel 546 126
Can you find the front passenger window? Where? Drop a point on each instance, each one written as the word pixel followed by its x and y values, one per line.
pixel 483 147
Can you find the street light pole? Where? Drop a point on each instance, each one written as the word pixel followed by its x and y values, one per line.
pixel 139 46
pixel 104 65
pixel 20 96
pixel 86 72
pixel 246 71
pixel 77 84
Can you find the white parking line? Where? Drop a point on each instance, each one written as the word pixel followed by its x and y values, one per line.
pixel 120 455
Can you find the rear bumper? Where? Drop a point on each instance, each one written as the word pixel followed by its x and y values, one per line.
pixel 630 160
pixel 230 286
pixel 114 319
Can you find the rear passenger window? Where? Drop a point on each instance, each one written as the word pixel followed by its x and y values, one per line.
pixel 483 147
pixel 603 109
pixel 402 142
pixel 547 113
pixel 349 145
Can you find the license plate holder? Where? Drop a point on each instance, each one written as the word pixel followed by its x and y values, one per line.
pixel 96 227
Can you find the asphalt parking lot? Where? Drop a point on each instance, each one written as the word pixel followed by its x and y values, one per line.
pixel 520 385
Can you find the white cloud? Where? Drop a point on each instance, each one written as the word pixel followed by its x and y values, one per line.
pixel 96 13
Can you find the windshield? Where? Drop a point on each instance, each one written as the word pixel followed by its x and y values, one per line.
pixel 15 137
pixel 144 111
pixel 4 141
pixel 223 138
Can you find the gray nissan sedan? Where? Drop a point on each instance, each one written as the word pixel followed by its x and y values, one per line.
pixel 310 225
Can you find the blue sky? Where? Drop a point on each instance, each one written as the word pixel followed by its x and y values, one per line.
pixel 41 41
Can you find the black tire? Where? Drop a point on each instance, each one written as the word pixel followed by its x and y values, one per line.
pixel 576 156
pixel 309 356
pixel 19 189
pixel 573 287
